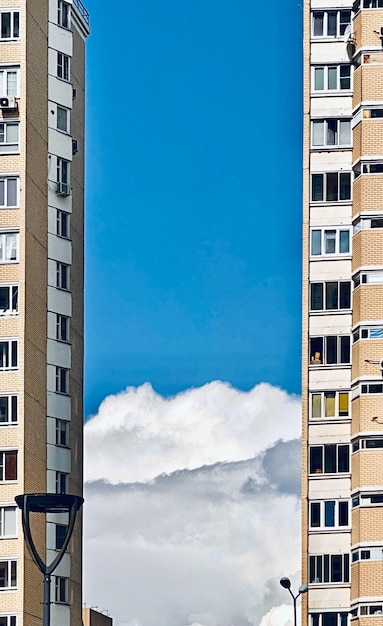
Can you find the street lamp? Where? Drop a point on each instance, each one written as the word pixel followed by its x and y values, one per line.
pixel 286 584
pixel 47 503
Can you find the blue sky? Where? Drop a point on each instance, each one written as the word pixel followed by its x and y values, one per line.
pixel 193 253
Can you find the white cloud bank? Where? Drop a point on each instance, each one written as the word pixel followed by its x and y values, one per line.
pixel 192 506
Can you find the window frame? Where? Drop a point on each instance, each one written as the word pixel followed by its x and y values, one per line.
pixel 4 83
pixel 61 590
pixel 323 406
pixel 10 354
pixel 63 19
pixel 63 176
pixel 12 417
pixel 62 433
pixel 62 224
pixel 322 526
pixel 339 30
pixel 324 297
pixel 327 349
pixel 13 299
pixel 62 276
pixel 11 564
pixel 14 535
pixel 63 66
pixel 11 147
pixel 6 180
pixel 336 449
pixel 13 23
pixel 62 328
pixel 65 130
pixel 325 186
pixel 339 78
pixel 325 239
pixel 62 380
pixel 317 619
pixel 61 482
pixel 326 121
pixel 8 620
pixel 5 248
pixel 10 454
pixel 323 571
pixel 60 535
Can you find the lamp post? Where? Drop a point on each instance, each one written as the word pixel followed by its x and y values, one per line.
pixel 286 584
pixel 47 503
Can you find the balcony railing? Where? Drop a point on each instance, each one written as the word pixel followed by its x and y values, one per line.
pixel 84 13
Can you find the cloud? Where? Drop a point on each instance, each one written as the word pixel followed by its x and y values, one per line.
pixel 150 434
pixel 191 530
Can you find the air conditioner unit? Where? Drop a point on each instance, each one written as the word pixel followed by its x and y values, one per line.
pixel 8 103
pixel 63 189
pixel 74 146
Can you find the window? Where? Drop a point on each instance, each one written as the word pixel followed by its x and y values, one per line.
pixel 331 241
pixel 330 350
pixel 332 133
pixel 371 113
pixel 328 619
pixel 9 137
pixel 330 459
pixel 367 444
pixel 63 14
pixel 9 192
pixel 62 66
pixel 61 482
pixel 370 499
pixel 61 533
pixel 62 380
pixel 371 277
pixel 374 554
pixel 62 177
pixel 330 23
pixel 327 514
pixel 9 247
pixel 10 81
pixel 62 428
pixel 61 589
pixel 331 187
pixel 329 568
pixel 330 296
pixel 372 388
pixel 367 168
pixel 330 404
pixel 372 4
pixel 62 119
pixel 62 275
pixel 8 521
pixel 7 620
pixel 8 465
pixel 62 327
pixel 367 333
pixel 8 574
pixel 9 299
pixel 365 223
pixel 8 409
pixel 62 224
pixel 331 78
pixel 371 609
pixel 8 354
pixel 10 25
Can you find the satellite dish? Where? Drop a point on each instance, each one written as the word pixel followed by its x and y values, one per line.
pixel 347 33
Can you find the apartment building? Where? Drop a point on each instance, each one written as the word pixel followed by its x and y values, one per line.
pixel 42 82
pixel 342 536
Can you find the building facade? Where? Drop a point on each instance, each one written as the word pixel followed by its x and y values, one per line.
pixel 42 83
pixel 342 559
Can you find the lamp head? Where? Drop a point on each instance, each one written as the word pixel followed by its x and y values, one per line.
pixel 285 582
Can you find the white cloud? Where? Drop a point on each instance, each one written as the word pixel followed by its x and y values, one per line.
pixel 150 434
pixel 213 523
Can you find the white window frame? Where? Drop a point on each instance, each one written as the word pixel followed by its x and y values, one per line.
pixel 368 277
pixel 322 395
pixel 9 354
pixel 340 26
pixel 61 480
pixel 372 4
pixel 320 569
pixel 10 619
pixel 324 447
pixel 326 68
pixel 10 564
pixel 61 590
pixel 318 619
pixel 62 328
pixel 324 354
pixel 325 308
pixel 326 122
pixel 63 14
pixel 372 553
pixel 367 223
pixel 65 130
pixel 62 276
pixel 3 463
pixel 14 22
pixel 367 332
pixel 11 407
pixel 322 514
pixel 3 508
pixel 325 187
pixel 5 70
pixel 6 146
pixel 63 176
pixel 63 66
pixel 63 224
pixel 365 388
pixel 13 299
pixel 62 380
pixel 62 433
pixel 6 180
pixel 325 236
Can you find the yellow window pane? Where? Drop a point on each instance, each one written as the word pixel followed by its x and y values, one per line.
pixel 316 405
pixel 330 404
pixel 343 404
